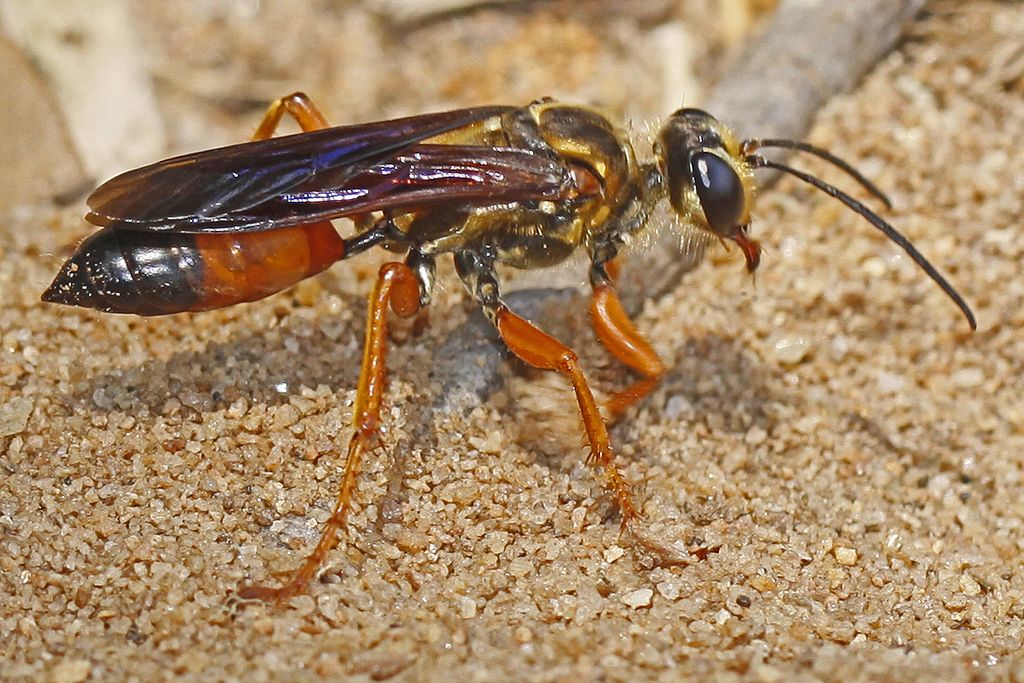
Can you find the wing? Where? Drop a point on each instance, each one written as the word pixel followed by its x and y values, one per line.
pixel 416 178
pixel 203 191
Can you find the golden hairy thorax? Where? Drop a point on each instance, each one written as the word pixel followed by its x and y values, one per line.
pixel 538 234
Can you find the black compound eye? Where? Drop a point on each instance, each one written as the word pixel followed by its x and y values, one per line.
pixel 720 192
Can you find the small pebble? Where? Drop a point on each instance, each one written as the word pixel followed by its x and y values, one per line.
pixel 641 597
pixel 969 586
pixel 14 415
pixel 967 378
pixel 846 556
pixel 467 607
pixel 790 350
pixel 755 435
pixel 613 553
pixel 71 671
pixel 669 589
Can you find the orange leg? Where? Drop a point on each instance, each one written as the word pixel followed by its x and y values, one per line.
pixel 613 268
pixel 537 348
pixel 301 109
pixel 396 287
pixel 618 334
pixel 540 350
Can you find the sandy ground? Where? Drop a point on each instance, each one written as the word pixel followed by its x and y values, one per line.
pixel 854 453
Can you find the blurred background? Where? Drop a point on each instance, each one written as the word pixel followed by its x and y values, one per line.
pixel 95 88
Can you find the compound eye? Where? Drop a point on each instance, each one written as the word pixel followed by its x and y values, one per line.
pixel 720 192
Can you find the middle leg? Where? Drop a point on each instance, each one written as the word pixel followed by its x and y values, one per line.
pixel 539 349
pixel 621 338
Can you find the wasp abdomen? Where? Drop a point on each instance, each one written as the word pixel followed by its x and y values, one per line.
pixel 152 273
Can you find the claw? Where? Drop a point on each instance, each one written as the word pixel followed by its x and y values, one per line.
pixel 664 556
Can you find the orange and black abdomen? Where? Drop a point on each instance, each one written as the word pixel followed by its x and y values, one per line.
pixel 156 273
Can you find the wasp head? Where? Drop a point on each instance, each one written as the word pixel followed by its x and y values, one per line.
pixel 708 176
pixel 708 181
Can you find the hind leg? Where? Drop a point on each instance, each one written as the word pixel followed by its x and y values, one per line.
pixel 398 289
pixel 299 106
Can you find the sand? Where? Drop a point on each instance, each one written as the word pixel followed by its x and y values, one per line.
pixel 852 452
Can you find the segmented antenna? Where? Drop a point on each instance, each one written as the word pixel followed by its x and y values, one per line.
pixel 869 215
pixel 748 146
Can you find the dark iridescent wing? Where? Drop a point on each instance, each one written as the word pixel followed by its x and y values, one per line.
pixel 417 177
pixel 202 191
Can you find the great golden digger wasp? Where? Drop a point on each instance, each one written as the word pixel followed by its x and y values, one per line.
pixel 520 186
